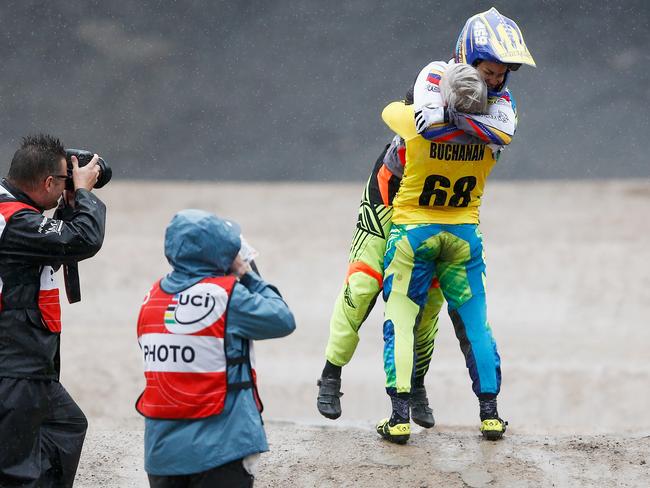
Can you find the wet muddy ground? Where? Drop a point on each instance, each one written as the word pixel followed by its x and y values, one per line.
pixel 568 300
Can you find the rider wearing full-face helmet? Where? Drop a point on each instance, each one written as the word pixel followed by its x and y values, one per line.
pixel 494 45
pixel 440 121
pixel 435 215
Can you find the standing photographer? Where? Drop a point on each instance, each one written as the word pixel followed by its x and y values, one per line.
pixel 42 429
pixel 197 328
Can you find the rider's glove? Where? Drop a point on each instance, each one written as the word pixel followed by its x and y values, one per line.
pixel 427 115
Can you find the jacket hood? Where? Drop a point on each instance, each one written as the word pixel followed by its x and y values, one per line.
pixel 198 244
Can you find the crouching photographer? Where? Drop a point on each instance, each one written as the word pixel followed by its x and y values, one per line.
pixel 42 429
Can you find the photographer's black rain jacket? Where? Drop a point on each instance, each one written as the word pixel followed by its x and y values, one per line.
pixel 29 242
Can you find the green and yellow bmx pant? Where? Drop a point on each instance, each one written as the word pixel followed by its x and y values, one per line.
pixel 364 279
pixel 454 253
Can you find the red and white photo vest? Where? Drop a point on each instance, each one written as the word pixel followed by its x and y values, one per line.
pixel 182 340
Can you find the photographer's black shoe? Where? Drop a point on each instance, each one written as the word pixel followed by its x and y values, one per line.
pixel 329 392
pixel 421 413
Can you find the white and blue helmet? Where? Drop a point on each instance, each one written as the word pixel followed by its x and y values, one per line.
pixel 490 36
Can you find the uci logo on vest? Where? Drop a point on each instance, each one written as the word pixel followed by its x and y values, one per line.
pixel 196 308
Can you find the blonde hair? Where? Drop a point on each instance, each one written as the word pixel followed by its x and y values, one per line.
pixel 463 89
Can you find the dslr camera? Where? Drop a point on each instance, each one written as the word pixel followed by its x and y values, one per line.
pixel 84 157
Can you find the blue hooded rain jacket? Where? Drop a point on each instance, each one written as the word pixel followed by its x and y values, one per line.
pixel 199 245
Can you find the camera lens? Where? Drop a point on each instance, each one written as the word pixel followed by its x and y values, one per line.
pixel 84 157
pixel 105 173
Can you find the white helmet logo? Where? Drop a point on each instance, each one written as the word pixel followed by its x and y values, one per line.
pixel 480 33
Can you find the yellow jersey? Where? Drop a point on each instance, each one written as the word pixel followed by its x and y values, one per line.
pixel 443 182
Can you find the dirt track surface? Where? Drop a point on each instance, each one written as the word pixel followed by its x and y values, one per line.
pixel 313 456
pixel 568 301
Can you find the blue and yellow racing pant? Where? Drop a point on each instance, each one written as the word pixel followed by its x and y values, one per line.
pixel 414 254
pixel 364 278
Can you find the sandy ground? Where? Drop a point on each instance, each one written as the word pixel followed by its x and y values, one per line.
pixel 568 297
pixel 313 456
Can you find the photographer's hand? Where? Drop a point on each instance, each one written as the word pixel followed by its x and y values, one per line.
pixel 239 267
pixel 68 199
pixel 86 176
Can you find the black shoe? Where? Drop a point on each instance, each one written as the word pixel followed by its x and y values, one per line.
pixel 421 413
pixel 329 392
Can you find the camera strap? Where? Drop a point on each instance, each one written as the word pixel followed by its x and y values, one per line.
pixel 72 285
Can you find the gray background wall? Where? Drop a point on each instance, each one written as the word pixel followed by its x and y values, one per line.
pixel 287 90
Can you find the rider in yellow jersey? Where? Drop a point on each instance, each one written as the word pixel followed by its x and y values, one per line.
pixel 435 223
pixel 364 278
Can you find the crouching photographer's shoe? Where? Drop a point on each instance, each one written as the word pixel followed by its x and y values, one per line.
pixel 329 394
pixel 398 433
pixel 493 429
pixel 421 413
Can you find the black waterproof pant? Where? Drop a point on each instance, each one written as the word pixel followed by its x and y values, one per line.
pixel 42 431
pixel 230 475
